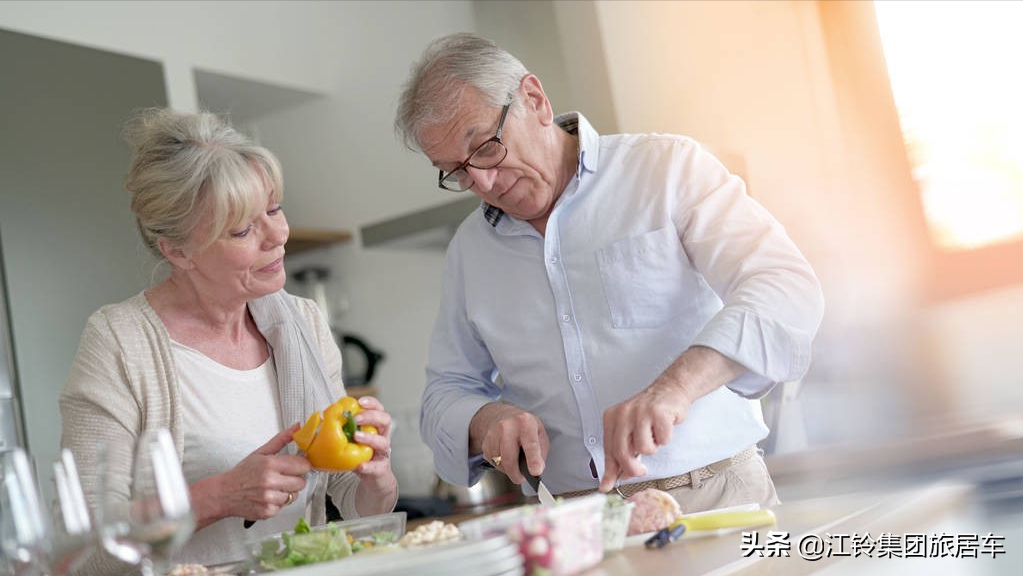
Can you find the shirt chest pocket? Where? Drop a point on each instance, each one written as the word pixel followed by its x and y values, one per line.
pixel 647 279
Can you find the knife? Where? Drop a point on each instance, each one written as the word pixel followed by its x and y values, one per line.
pixel 715 521
pixel 545 496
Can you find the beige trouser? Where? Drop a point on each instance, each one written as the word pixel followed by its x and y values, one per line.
pixel 743 483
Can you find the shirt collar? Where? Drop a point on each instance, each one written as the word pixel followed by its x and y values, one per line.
pixel 589 141
pixel 589 151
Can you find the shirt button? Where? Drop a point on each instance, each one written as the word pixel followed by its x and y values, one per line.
pixel 565 317
pixel 592 440
pixel 554 259
pixel 578 377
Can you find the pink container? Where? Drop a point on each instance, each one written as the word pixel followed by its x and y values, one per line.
pixel 560 540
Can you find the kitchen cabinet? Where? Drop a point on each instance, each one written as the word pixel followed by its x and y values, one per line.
pixel 305 239
pixel 426 229
pixel 360 391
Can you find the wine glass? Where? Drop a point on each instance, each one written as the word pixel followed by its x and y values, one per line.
pixel 73 536
pixel 24 531
pixel 157 520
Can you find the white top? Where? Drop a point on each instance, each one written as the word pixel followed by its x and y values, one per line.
pixel 124 380
pixel 653 247
pixel 227 414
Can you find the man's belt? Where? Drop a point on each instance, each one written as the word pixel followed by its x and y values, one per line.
pixel 692 478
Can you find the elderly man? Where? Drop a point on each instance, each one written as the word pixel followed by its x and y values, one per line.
pixel 613 308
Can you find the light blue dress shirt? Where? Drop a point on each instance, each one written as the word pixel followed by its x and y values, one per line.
pixel 652 248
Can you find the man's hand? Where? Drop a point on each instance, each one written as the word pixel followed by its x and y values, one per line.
pixel 639 426
pixel 499 430
pixel 644 422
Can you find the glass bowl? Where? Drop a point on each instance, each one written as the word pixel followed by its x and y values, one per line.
pixel 330 541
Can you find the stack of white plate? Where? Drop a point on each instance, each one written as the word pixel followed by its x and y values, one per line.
pixel 496 556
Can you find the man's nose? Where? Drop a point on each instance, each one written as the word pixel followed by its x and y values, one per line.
pixel 483 178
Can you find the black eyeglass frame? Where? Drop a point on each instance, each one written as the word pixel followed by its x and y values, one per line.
pixel 468 161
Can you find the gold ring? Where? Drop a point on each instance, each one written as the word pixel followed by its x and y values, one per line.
pixel 497 461
pixel 291 498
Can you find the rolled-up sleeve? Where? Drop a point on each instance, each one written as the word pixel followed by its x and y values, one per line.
pixel 773 302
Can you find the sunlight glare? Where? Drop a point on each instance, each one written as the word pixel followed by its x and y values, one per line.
pixel 954 70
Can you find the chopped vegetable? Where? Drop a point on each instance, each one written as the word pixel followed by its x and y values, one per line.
pixel 300 548
pixel 308 546
pixel 435 532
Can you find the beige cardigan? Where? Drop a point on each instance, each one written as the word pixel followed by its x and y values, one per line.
pixel 124 381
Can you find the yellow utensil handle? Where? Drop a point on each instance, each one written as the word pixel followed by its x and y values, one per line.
pixel 726 520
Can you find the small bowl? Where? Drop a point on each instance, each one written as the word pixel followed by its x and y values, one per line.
pixel 358 529
pixel 559 540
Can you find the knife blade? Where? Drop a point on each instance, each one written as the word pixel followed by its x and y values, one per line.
pixel 545 496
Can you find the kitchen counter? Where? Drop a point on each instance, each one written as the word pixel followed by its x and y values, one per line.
pixel 943 515
pixel 922 510
pixel 929 509
pixel 962 482
pixel 939 453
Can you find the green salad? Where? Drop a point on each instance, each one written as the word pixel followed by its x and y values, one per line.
pixel 307 546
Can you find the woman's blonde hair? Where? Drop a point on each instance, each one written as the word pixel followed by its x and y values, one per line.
pixel 184 165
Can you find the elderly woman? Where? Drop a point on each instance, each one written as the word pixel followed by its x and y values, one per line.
pixel 217 352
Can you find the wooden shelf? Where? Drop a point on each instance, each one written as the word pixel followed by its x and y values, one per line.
pixel 360 391
pixel 305 239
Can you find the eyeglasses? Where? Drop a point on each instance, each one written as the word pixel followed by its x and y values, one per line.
pixel 486 156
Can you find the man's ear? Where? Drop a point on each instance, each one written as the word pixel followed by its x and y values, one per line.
pixel 174 254
pixel 535 99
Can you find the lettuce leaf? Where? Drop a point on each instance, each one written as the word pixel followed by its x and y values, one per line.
pixel 300 548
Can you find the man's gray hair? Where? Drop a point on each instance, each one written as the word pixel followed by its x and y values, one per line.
pixel 447 67
pixel 186 165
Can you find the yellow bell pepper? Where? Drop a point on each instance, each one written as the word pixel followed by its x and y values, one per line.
pixel 328 439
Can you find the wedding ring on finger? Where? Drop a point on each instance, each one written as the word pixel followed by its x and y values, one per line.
pixel 497 461
pixel 291 498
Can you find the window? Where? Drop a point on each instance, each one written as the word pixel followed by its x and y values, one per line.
pixel 954 72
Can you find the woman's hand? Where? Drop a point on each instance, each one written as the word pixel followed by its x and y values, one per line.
pixel 378 488
pixel 256 488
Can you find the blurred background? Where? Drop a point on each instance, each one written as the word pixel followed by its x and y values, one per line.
pixel 883 135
